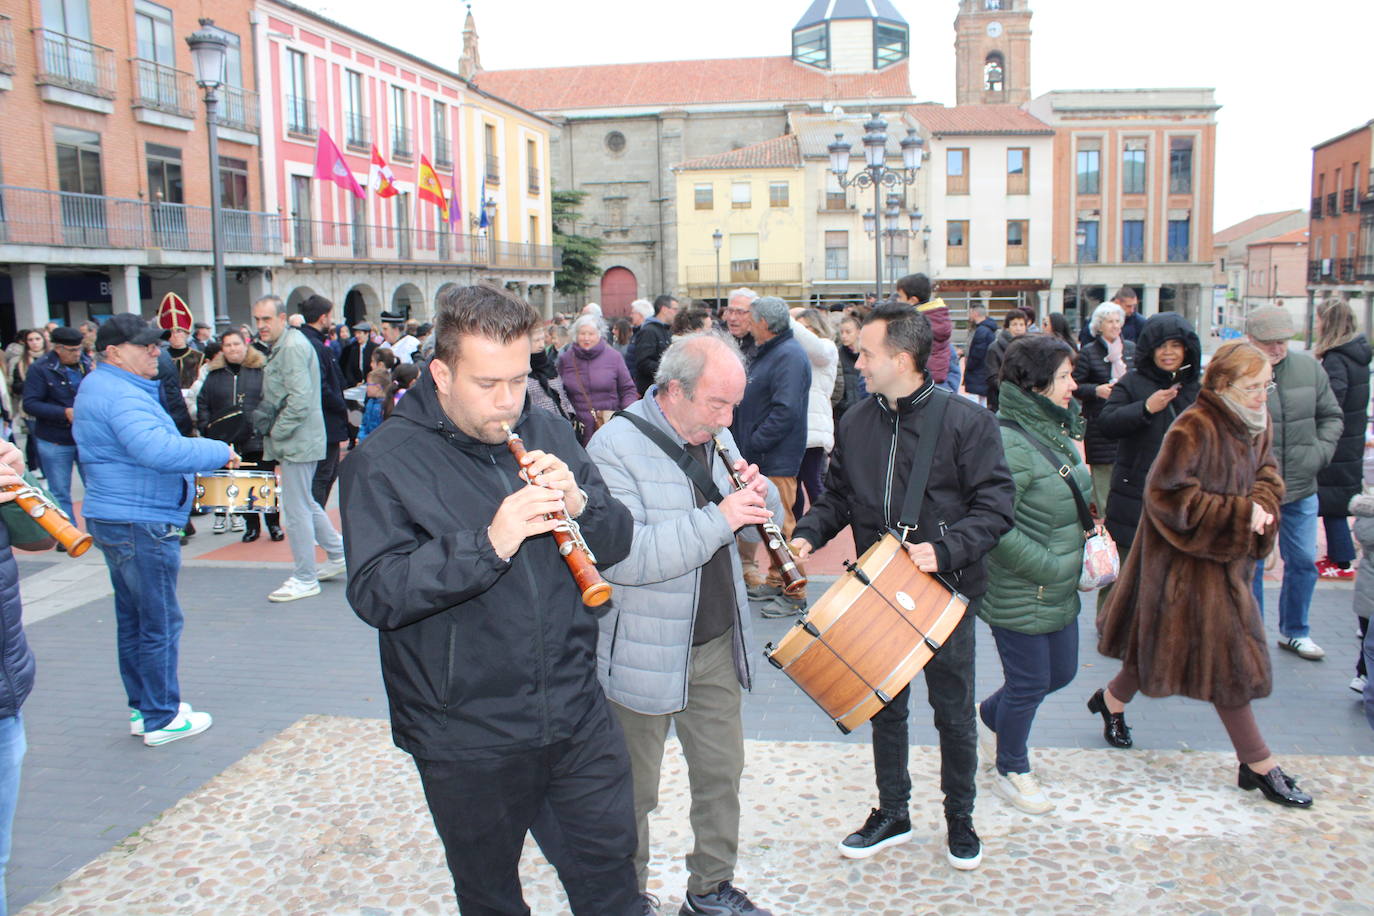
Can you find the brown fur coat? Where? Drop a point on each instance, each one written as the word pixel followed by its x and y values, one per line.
pixel 1182 613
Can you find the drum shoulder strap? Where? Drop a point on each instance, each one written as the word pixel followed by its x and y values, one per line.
pixel 928 426
pixel 689 465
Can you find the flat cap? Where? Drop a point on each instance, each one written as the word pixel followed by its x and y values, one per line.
pixel 1270 322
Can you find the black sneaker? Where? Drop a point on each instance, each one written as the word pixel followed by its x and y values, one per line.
pixel 648 904
pixel 763 591
pixel 965 850
pixel 782 606
pixel 878 832
pixel 725 900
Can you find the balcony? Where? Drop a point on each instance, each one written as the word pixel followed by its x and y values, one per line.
pixel 1178 254
pixel 1345 270
pixel 1316 208
pixel 1364 269
pixel 31 216
pixel 238 109
pixel 534 185
pixel 300 117
pixel 402 142
pixel 164 89
pixel 1348 200
pixel 1331 209
pixel 7 61
pixel 493 170
pixel 443 153
pixel 357 132
pixel 833 202
pixel 71 68
pixel 347 241
pixel 702 276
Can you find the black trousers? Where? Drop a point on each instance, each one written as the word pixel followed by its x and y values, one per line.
pixel 326 472
pixel 949 686
pixel 574 795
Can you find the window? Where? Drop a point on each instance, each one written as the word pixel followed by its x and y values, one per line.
pixel 956 171
pixel 812 46
pixel 1018 170
pixel 233 182
pixel 889 44
pixel 1179 248
pixel 1018 249
pixel 301 226
pixel 78 161
pixel 401 145
pixel 1133 241
pixel 165 212
pixel 992 4
pixel 534 229
pixel 956 243
pixel 615 212
pixel 298 120
pixel 744 257
pixel 615 142
pixel 778 193
pixel 1089 171
pixel 704 196
pixel 1133 167
pixel 740 195
pixel 443 155
pixel 837 255
pixel 489 146
pixel 1180 165
pixel 153 27
pixel 355 122
pixel 1087 252
pixel 532 165
pixel 834 194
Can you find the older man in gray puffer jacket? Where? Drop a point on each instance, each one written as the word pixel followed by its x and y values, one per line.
pixel 674 646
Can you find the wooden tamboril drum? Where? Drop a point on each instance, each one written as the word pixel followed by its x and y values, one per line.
pixel 869 634
pixel 236 491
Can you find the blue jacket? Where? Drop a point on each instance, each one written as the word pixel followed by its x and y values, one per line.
pixel 16 659
pixel 976 374
pixel 138 468
pixel 770 422
pixel 48 392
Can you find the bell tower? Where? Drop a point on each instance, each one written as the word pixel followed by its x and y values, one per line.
pixel 992 43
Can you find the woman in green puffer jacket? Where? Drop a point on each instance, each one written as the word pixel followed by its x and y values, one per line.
pixel 1032 598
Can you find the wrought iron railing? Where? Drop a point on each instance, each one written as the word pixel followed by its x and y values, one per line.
pixel 1364 269
pixel 534 184
pixel 1179 254
pixel 238 109
pixel 443 152
pixel 300 116
pixel 163 88
pixel 33 216
pixel 357 131
pixel 6 45
pixel 344 241
pixel 1331 208
pixel 1317 207
pixel 1345 270
pixel 1348 200
pixel 402 144
pixel 788 272
pixel 493 170
pixel 74 63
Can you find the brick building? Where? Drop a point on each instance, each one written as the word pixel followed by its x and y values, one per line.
pixel 1231 256
pixel 1341 250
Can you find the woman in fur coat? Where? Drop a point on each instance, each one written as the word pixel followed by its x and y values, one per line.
pixel 1182 617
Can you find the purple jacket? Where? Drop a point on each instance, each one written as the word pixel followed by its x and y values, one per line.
pixel 595 379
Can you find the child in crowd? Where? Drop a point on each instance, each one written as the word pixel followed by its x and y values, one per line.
pixel 401 380
pixel 377 381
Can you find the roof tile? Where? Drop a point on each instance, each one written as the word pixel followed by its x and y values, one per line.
pixel 978 119
pixel 777 153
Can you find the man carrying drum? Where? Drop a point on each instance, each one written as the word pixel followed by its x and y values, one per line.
pixel 966 508
pixel 675 648
pixel 488 652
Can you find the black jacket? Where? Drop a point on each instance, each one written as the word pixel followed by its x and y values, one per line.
pixel 331 388
pixel 477 654
pixel 169 392
pixel 1090 370
pixel 975 361
pixel 653 338
pixel 1139 433
pixel 48 392
pixel 351 370
pixel 226 402
pixel 968 500
pixel 1348 368
pixel 992 365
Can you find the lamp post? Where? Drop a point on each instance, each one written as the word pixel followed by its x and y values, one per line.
pixel 876 174
pixel 1081 237
pixel 716 239
pixel 892 232
pixel 209 48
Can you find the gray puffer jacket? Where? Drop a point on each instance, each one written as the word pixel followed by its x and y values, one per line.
pixel 644 649
pixel 1307 423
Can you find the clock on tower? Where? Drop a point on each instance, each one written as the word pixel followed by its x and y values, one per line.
pixel 992 52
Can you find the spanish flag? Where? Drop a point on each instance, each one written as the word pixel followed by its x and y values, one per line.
pixel 427 187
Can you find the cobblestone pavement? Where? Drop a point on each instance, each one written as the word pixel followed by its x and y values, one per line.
pixel 328 817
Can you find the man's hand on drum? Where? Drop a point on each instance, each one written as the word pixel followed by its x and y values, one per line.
pixel 923 555
pixel 234 459
pixel 11 469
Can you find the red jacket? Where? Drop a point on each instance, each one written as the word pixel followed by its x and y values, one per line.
pixel 937 313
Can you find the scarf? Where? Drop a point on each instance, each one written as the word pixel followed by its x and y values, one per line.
pixel 1256 420
pixel 1115 349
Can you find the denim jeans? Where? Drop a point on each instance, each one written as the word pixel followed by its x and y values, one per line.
pixel 57 461
pixel 1034 665
pixel 144 560
pixel 949 688
pixel 1298 547
pixel 12 748
pixel 1340 546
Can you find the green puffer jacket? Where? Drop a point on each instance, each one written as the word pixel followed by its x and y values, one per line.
pixel 1307 421
pixel 1033 571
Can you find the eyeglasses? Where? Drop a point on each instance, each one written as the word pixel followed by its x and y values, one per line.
pixel 1256 389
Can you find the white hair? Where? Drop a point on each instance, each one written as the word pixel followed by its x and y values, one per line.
pixel 745 293
pixel 686 357
pixel 589 320
pixel 1101 313
pixel 644 307
pixel 591 308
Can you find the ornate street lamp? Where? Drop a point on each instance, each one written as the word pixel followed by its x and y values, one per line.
pixel 209 48
pixel 876 174
pixel 1081 237
pixel 716 239
pixel 893 230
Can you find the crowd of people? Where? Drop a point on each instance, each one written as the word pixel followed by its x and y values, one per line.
pixel 658 443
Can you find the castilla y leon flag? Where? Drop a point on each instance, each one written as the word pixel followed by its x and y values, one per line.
pixel 427 187
pixel 380 177
pixel 330 166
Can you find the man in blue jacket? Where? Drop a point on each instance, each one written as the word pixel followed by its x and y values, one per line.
pixel 139 486
pixel 770 425
pixel 49 395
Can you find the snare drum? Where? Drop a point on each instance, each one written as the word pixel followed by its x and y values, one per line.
pixel 869 634
pixel 236 491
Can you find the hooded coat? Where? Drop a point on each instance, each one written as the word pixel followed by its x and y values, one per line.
pixel 1347 366
pixel 1138 432
pixel 1195 541
pixel 992 365
pixel 227 399
pixel 975 363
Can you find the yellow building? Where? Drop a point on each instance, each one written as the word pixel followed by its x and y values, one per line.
pixel 755 198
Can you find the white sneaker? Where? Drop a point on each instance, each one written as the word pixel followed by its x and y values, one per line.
pixel 184 725
pixel 294 588
pixel 330 569
pixel 987 739
pixel 1304 647
pixel 1357 683
pixel 1023 790
pixel 218 526
pixel 136 719
pixel 236 523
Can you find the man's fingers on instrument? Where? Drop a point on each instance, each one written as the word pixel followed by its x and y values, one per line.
pixel 800 546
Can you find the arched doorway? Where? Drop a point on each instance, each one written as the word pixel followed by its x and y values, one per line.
pixel 361 301
pixel 406 297
pixel 298 295
pixel 618 290
pixel 438 294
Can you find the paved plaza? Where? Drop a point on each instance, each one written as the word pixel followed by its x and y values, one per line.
pixel 295 802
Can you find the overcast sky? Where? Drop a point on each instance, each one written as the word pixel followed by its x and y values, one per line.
pixel 1287 76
